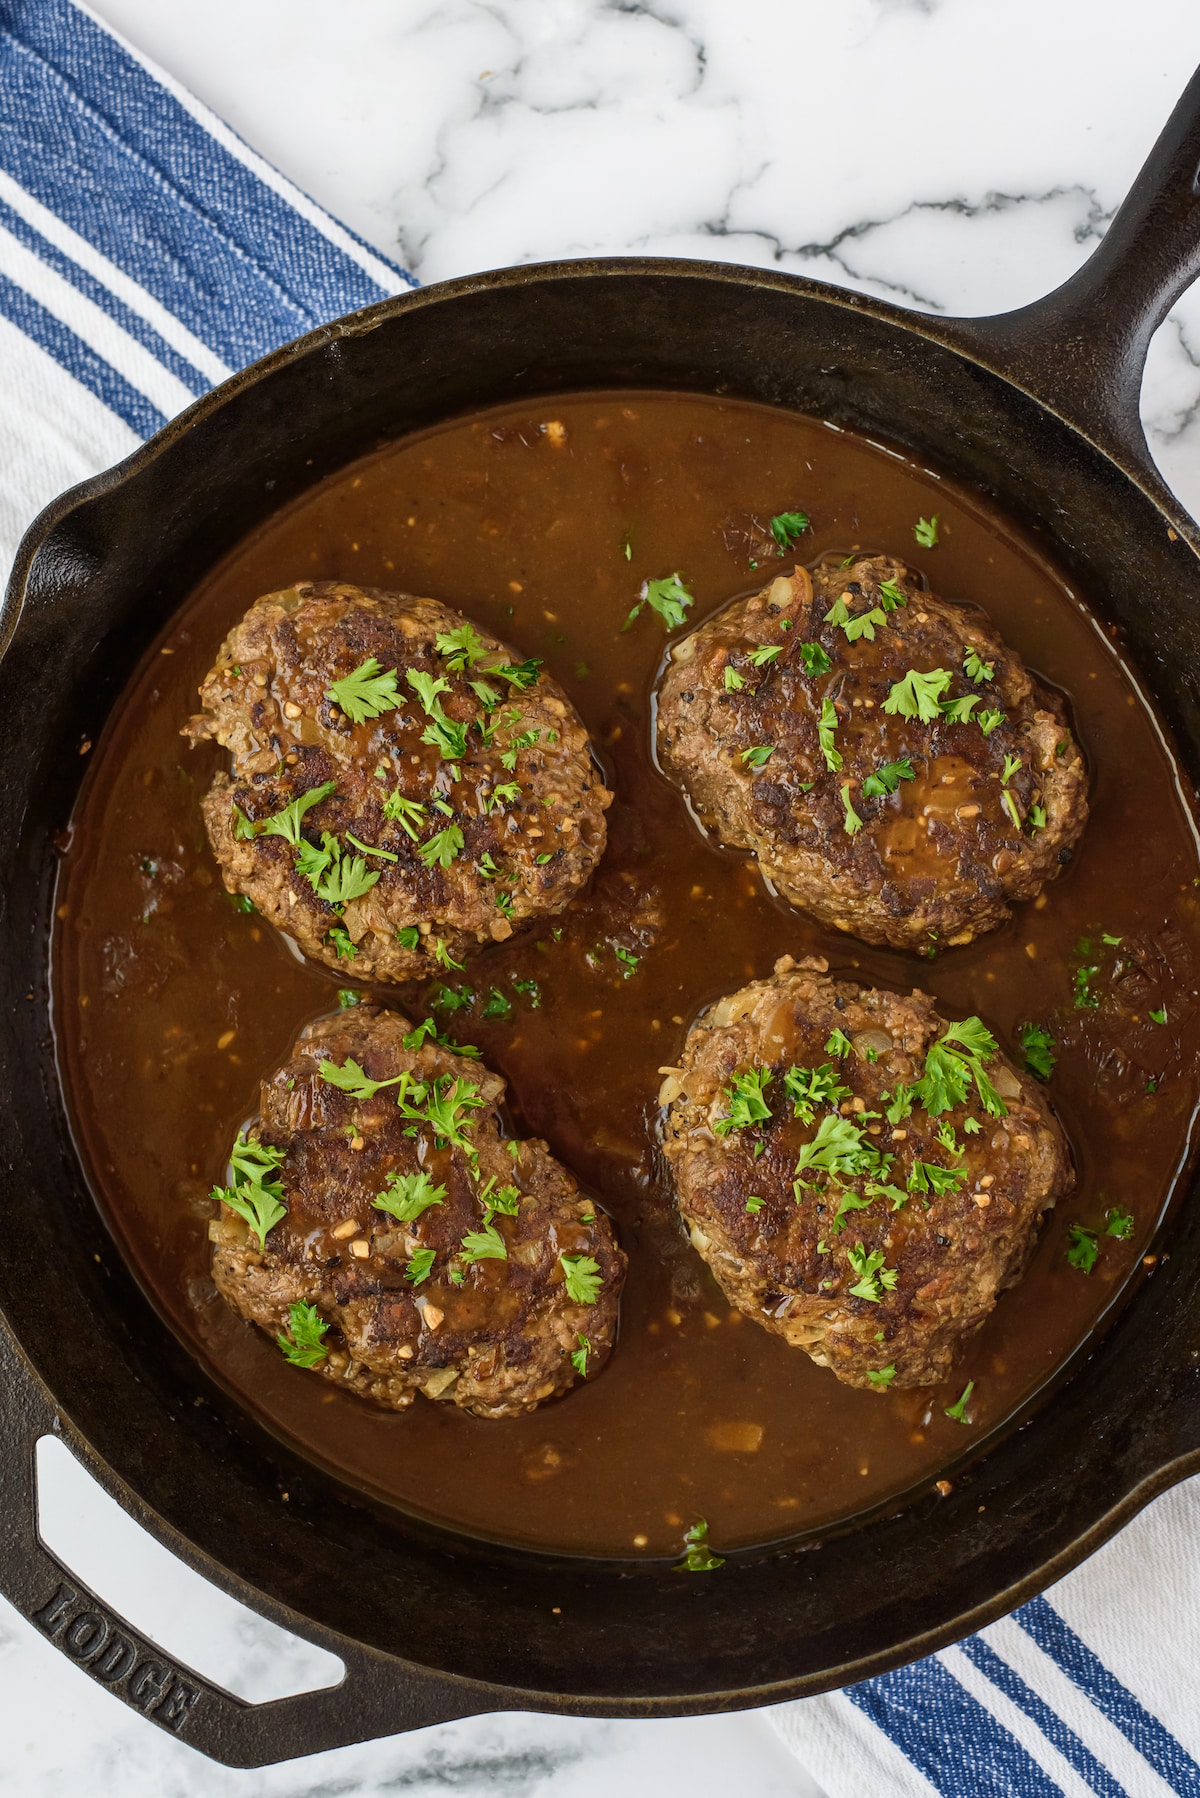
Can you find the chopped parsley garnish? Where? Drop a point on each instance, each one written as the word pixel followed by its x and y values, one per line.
pixel 579 1356
pixel 976 668
pixel 957 1412
pixel 303 1345
pixel 838 1044
pixel 443 1106
pixel 758 756
pixel 286 823
pixel 809 1088
pixel 826 731
pixel 348 996
pixel 744 1097
pixel 765 654
pixel 1085 998
pixel 988 720
pixel 529 989
pixel 785 527
pixel 406 1196
pixel 505 1199
pixel 342 941
pixel 839 1147
pixel 1038 1045
pixel 958 711
pixel 754 1203
pixel 497 1005
pixel 1011 764
pixel 853 823
pixel 408 936
pixel 352 1078
pixel 1036 819
pixel 734 682
pixel 874 1279
pixel 698 1557
pixel 583 1278
pixel 627 959
pixel 254 1194
pixel 815 660
pixel 926 532
pixel 370 848
pixel 848 1202
pixel 484 1245
pixel 420 1265
pixel 368 692
pixel 918 695
pixel 461 647
pixel 892 595
pixel 442 848
pixel 346 879
pixel 1118 1222
pixel 407 813
pixel 927 1176
pixel 887 778
pixel 1159 1016
pixel 882 1376
pixel 427 688
pixel 951 1065
pixel 520 675
pixel 450 998
pixel 668 597
pixel 1083 1248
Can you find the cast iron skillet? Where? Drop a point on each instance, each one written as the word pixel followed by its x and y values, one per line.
pixel 1038 411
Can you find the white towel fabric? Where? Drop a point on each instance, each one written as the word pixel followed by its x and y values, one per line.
pixel 145 254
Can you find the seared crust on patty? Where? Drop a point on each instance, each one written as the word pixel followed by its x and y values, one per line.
pixel 986 817
pixel 768 1223
pixel 521 808
pixel 492 1335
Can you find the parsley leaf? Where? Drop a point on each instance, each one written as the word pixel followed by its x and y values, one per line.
pixel 406 1196
pixel 809 1087
pixel 442 848
pixel 462 647
pixel 958 1410
pixel 887 778
pixel 926 532
pixel 958 711
pixel 255 1197
pixel 758 756
pixel 352 1078
pixel 874 1279
pixel 864 625
pixel 1038 1045
pixel 342 941
pixel 1118 1222
pixel 786 527
pixel 765 654
pixel 443 1106
pixel 927 1176
pixel 918 695
pixel 1083 1248
pixel 976 668
pixel 698 1556
pixel 952 1063
pixel 744 1097
pixel 988 720
pixel 407 813
pixel 303 1346
pixel 892 595
pixel 814 658
pixel 583 1278
pixel 826 731
pixel 579 1356
pixel 409 937
pixel 838 1044
pixel 484 1245
pixel 367 692
pixel 420 1265
pixel 839 1147
pixel 882 1377
pixel 734 682
pixel 286 823
pixel 518 674
pixel 853 823
pixel 349 878
pixel 668 597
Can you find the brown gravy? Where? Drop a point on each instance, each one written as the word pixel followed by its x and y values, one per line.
pixel 171 1002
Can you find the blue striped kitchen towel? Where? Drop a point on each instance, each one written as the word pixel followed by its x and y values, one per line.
pixel 1091 1689
pixel 145 254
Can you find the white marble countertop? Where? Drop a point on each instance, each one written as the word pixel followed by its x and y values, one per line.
pixel 951 154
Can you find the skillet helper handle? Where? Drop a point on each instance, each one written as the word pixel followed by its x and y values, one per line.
pixel 1082 349
pixel 377 1696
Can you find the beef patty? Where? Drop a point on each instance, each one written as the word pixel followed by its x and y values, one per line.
pixel 861 1176
pixel 381 1225
pixel 889 760
pixel 403 790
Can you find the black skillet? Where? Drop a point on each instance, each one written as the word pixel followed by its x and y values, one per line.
pixel 1036 410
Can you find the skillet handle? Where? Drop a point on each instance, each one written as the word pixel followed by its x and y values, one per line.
pixel 377 1696
pixel 1081 350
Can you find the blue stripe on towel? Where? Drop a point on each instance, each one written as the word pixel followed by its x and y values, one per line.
pixel 1006 1680
pixel 88 131
pixel 949 1736
pixel 71 353
pixel 1153 1741
pixel 103 297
